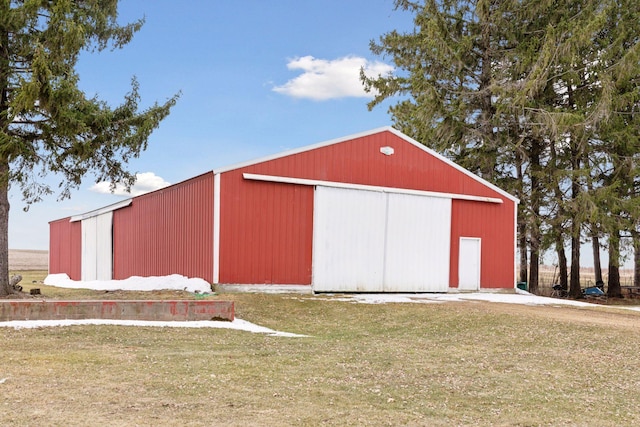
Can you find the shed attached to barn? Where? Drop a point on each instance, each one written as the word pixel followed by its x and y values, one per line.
pixel 372 212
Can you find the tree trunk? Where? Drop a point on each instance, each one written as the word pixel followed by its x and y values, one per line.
pixel 535 237
pixel 533 270
pixel 636 258
pixel 562 262
pixel 557 224
pixel 597 266
pixel 522 237
pixel 613 287
pixel 522 222
pixel 575 290
pixel 5 287
pixel 535 256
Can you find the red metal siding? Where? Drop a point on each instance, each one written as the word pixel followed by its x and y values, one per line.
pixel 494 224
pixel 266 228
pixel 169 231
pixel 65 248
pixel 359 161
pixel 266 231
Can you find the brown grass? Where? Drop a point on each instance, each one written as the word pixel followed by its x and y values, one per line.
pixel 469 363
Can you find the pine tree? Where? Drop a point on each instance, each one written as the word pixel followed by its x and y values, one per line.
pixel 528 94
pixel 47 124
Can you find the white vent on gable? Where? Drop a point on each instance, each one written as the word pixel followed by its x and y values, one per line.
pixel 387 151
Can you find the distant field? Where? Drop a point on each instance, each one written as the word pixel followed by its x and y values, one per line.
pixel 23 259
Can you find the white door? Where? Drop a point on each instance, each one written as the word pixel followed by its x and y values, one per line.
pixel 469 264
pixel 348 240
pixel 97 247
pixel 417 246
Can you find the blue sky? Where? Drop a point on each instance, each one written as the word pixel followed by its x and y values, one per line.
pixel 257 77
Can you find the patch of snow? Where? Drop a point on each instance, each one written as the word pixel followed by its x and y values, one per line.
pixel 387 298
pixel 521 297
pixel 237 324
pixel 134 283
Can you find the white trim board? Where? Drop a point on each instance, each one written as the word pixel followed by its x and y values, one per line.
pixel 216 228
pixel 314 182
pixel 100 211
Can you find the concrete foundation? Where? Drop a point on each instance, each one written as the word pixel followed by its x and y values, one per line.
pixel 160 310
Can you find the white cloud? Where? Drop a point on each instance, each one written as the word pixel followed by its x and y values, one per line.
pixel 145 182
pixel 323 79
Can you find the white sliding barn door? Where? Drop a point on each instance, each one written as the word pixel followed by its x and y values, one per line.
pixel 97 247
pixel 348 240
pixel 368 241
pixel 418 242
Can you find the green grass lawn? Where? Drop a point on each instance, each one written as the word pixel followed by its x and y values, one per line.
pixel 458 363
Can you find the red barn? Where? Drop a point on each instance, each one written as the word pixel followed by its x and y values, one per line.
pixel 373 212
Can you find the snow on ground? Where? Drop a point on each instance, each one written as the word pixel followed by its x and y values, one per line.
pixel 237 324
pixel 520 297
pixel 177 282
pixel 134 283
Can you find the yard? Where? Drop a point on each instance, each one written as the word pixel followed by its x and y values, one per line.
pixel 453 363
